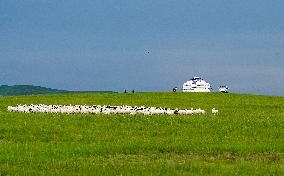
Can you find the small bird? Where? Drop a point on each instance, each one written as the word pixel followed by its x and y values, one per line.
pixel 214 111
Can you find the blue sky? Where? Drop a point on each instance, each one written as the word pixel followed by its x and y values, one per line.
pixel 101 45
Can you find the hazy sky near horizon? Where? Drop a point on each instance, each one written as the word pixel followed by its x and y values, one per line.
pixel 103 45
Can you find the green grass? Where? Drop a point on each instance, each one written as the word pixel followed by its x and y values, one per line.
pixel 246 138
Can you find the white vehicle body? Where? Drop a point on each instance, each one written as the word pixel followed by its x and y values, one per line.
pixel 196 84
pixel 224 89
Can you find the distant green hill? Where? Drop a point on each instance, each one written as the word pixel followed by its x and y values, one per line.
pixel 6 90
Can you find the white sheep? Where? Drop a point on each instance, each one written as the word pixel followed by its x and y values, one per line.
pixel 98 109
pixel 214 111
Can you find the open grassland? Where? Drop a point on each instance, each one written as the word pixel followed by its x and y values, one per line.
pixel 246 138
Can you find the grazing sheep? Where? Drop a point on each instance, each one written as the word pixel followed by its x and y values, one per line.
pixel 98 109
pixel 215 111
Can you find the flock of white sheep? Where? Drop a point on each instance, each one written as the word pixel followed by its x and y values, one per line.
pixel 98 109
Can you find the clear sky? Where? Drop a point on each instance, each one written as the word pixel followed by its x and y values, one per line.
pixel 104 44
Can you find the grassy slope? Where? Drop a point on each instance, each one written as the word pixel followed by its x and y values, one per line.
pixel 245 139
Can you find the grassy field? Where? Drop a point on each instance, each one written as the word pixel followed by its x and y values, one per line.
pixel 246 138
